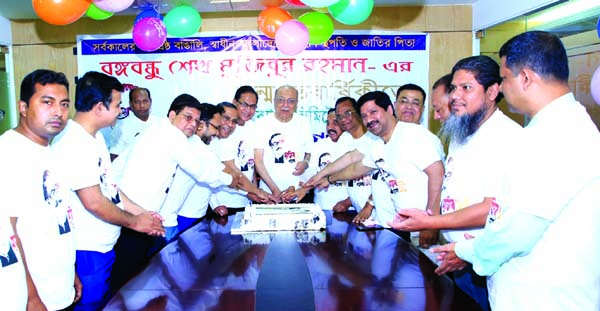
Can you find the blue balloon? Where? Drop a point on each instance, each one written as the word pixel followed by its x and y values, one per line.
pixel 148 13
pixel 598 27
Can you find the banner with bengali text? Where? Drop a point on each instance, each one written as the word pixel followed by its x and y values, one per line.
pixel 212 66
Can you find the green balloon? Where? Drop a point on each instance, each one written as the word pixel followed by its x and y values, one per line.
pixel 319 25
pixel 182 21
pixel 96 13
pixel 351 12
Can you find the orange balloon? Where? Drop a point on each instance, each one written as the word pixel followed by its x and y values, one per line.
pixel 60 12
pixel 270 19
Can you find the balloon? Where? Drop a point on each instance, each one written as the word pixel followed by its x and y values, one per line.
pixel 149 34
pixel 351 12
pixel 595 86
pixel 267 3
pixel 270 19
pixel 94 12
pixel 291 37
pixel 598 27
pixel 320 3
pixel 182 21
pixel 295 2
pixel 319 25
pixel 148 12
pixel 60 12
pixel 113 5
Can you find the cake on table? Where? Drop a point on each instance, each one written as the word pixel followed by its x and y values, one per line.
pixel 279 217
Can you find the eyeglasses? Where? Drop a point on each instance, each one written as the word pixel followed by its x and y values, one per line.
pixel 247 106
pixel 218 128
pixel 289 101
pixel 188 118
pixel 404 101
pixel 344 115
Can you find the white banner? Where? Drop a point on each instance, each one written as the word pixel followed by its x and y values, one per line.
pixel 212 66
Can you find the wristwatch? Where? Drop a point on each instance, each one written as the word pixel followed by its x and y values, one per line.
pixel 370 201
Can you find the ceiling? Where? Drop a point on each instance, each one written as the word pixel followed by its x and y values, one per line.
pixel 23 9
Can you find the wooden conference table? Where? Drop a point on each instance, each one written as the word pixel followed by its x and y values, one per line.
pixel 207 268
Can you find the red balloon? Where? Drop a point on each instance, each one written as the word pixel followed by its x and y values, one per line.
pixel 60 12
pixel 270 19
pixel 295 2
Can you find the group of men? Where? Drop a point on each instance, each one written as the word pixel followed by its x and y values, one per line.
pixel 505 197
pixel 509 197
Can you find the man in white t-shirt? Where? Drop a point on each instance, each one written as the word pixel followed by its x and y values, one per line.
pixel 410 102
pixel 35 198
pixel 147 170
pixel 324 152
pixel 357 137
pixel 473 174
pixel 283 146
pixel 126 130
pixel 551 190
pixel 408 165
pixel 99 208
pixel 187 199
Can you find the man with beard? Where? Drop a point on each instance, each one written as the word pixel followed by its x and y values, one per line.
pixel 410 100
pixel 409 163
pixel 551 191
pixel 480 137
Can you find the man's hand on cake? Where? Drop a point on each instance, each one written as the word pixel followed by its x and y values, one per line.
pixel 221 210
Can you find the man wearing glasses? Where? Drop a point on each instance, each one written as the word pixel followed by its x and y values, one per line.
pixel 291 135
pixel 410 99
pixel 355 136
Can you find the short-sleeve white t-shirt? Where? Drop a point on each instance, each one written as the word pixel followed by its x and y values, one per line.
pixel 399 164
pixel 39 199
pixel 284 145
pixel 85 163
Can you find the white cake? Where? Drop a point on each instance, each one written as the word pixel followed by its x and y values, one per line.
pixel 279 217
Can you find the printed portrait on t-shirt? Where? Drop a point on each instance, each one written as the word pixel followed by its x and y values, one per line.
pixel 7 252
pixel 244 158
pixel 324 159
pixel 386 176
pixel 108 187
pixel 276 143
pixel 61 210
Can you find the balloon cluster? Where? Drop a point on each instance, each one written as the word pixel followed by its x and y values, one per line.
pixel 149 29
pixel 292 36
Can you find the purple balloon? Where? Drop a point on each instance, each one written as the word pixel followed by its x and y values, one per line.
pixel 147 13
pixel 149 34
pixel 292 37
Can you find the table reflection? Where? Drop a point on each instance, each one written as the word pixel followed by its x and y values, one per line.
pixel 207 268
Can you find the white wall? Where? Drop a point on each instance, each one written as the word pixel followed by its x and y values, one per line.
pixel 5 32
pixel 487 13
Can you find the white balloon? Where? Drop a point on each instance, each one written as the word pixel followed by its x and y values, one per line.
pixel 113 5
